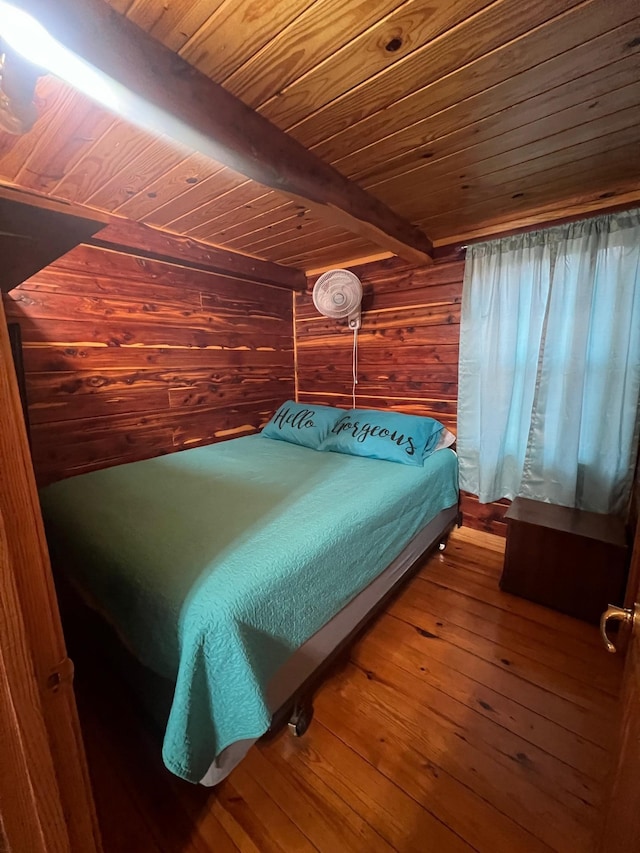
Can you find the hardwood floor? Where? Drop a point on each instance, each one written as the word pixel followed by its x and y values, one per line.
pixel 464 719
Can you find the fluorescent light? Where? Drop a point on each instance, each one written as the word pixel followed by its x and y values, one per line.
pixel 31 40
pixel 28 38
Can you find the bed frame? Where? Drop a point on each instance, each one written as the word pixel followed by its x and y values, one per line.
pixel 297 711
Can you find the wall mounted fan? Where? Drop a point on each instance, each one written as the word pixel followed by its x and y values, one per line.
pixel 338 294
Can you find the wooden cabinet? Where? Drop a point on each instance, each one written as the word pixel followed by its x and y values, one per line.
pixel 568 559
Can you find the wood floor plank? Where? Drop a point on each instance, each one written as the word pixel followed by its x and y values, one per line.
pixel 291 795
pixel 573 648
pixel 488 563
pixel 574 789
pixel 240 827
pixel 587 758
pixel 354 831
pixel 403 822
pixel 478 539
pixel 139 804
pixel 204 810
pixel 421 778
pixel 129 830
pixel 252 805
pixel 418 646
pixel 575 679
pixel 455 779
pixel 452 578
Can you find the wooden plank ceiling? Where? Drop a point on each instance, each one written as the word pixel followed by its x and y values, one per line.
pixel 463 116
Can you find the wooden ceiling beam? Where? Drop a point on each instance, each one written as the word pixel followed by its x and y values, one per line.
pixel 163 246
pixel 34 232
pixel 160 91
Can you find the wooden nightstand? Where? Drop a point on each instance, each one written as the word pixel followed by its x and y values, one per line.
pixel 568 559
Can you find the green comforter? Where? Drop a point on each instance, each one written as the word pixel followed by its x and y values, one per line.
pixel 215 564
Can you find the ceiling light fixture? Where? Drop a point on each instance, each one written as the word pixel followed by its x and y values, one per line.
pixel 25 36
pixel 17 88
pixel 28 40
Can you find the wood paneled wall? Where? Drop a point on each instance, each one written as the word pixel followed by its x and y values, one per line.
pixel 407 352
pixel 128 358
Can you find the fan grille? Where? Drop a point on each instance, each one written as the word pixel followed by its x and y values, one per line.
pixel 337 293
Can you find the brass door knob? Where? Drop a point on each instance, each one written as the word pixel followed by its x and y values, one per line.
pixel 620 614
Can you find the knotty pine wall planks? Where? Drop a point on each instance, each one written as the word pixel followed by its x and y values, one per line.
pixel 407 352
pixel 128 358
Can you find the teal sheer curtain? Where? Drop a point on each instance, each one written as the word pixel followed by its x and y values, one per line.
pixel 504 300
pixel 550 365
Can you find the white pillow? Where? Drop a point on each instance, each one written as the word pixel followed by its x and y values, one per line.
pixel 446 439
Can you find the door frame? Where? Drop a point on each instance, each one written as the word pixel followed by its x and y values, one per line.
pixel 621 817
pixel 46 801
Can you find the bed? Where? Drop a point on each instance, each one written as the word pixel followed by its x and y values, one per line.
pixel 232 572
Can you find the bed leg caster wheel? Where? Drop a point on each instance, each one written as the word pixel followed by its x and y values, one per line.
pixel 442 545
pixel 300 720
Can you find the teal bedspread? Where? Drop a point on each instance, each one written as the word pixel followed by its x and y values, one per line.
pixel 215 564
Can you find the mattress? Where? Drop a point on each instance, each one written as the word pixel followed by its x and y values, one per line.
pixel 215 564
